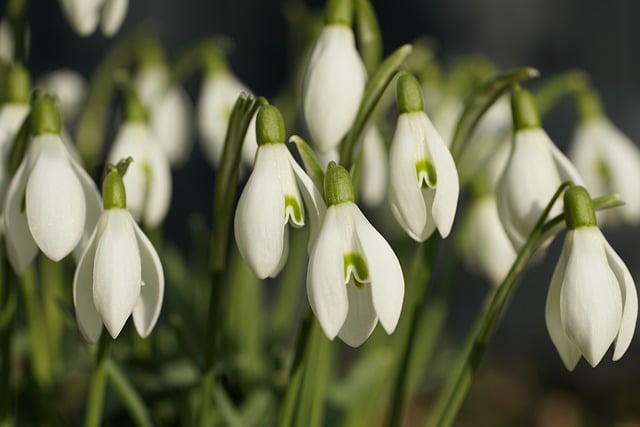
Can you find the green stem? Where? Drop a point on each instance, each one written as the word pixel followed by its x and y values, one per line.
pixel 93 416
pixel 128 395
pixel 51 278
pixel 7 310
pixel 460 378
pixel 213 339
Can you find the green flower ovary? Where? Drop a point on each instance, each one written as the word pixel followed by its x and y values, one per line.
pixel 426 173
pixel 355 266
pixel 293 210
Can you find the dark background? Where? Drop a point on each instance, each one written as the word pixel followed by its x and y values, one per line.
pixel 523 378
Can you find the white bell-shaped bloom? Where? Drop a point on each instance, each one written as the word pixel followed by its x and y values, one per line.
pixel 534 171
pixel 333 86
pixel 220 91
pixel 354 278
pixel 609 162
pixel 592 300
pixel 47 203
pixel 424 183
pixel 170 112
pixel 119 275
pixel 11 117
pixel 85 15
pixel 70 89
pixel 148 181
pixel 277 192
pixel 373 182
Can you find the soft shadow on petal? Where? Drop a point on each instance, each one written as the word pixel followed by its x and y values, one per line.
pixel 629 301
pixel 259 220
pixel 325 277
pixel 88 318
pixel 569 353
pixel 385 274
pixel 147 308
pixel 117 274
pixel 590 299
pixel 361 318
pixel 113 14
pixel 55 202
pixel 21 248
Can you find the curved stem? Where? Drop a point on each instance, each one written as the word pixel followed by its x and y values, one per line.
pixel 98 386
pixel 128 395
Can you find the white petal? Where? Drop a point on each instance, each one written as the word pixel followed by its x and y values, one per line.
pixel 88 318
pixel 385 274
pixel 158 198
pixel 334 84
pixel 259 220
pixel 93 203
pixel 21 248
pixel 313 200
pixel 629 301
pixel 325 277
pixel 373 185
pixel 113 14
pixel 70 89
pixel 250 143
pixel 284 169
pixel 82 14
pixel 590 299
pixel 172 123
pixel 566 169
pixel 117 275
pixel 11 117
pixel 569 353
pixel 147 308
pixel 405 193
pixel 361 318
pixel 55 203
pixel 447 189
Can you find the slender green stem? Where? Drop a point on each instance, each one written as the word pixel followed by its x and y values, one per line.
pixel 51 279
pixel 93 416
pixel 7 309
pixel 213 340
pixel 128 395
pixel 461 376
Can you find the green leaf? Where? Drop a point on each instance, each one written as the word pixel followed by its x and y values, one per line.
pixel 368 32
pixel 376 86
pixel 310 161
pixel 481 100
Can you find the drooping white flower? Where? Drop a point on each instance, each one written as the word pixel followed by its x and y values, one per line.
pixel 119 274
pixel 50 199
pixel 148 180
pixel 70 89
pixel 354 278
pixel 609 162
pixel 333 86
pixel 592 300
pixel 170 112
pixel 273 197
pixel 85 15
pixel 424 183
pixel 373 182
pixel 533 173
pixel 220 90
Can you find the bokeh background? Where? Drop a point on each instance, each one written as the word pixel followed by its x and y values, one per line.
pixel 522 381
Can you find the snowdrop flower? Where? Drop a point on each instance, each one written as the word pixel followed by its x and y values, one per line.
pixel 148 181
pixel 607 159
pixel 85 15
pixel 272 198
pixel 13 111
pixel 70 89
pixel 51 200
pixel 334 80
pixel 354 277
pixel 423 178
pixel 592 300
pixel 220 90
pixel 533 173
pixel 119 274
pixel 373 183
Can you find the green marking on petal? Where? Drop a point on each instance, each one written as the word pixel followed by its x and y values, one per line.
pixel 603 169
pixel 355 266
pixel 293 210
pixel 426 173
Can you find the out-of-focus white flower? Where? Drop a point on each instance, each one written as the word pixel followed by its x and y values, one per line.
pixel 220 90
pixel 148 180
pixel 50 198
pixel 373 182
pixel 445 117
pixel 272 198
pixel 535 170
pixel 69 87
pixel 6 41
pixel 85 15
pixel 424 182
pixel 354 278
pixel 170 112
pixel 592 300
pixel 333 86
pixel 609 162
pixel 119 274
